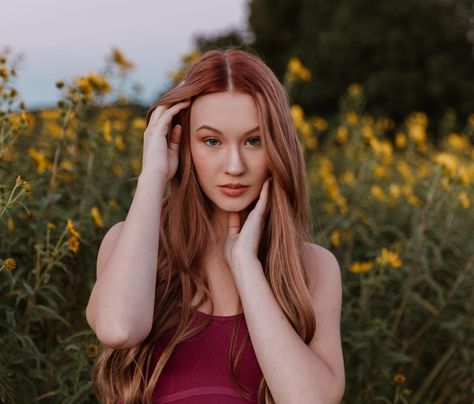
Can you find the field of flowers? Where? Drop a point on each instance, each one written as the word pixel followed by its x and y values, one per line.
pixel 396 210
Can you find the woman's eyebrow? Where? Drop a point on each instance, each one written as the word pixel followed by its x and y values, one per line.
pixel 218 131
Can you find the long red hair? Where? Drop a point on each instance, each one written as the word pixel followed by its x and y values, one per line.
pixel 186 230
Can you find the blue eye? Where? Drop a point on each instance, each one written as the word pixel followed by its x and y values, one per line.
pixel 249 139
pixel 210 139
pixel 257 139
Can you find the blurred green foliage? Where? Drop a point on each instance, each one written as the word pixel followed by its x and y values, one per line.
pixel 408 55
pixel 397 213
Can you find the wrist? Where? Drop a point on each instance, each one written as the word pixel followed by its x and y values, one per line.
pixel 152 179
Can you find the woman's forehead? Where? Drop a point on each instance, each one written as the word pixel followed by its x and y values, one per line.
pixel 224 109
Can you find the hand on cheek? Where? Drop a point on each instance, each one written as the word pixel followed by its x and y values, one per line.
pixel 243 240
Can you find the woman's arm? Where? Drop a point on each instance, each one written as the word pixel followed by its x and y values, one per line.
pixel 121 304
pixel 295 372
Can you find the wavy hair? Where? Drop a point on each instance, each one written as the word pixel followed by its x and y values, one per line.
pixel 186 230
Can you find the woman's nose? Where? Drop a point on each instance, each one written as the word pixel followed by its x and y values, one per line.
pixel 234 163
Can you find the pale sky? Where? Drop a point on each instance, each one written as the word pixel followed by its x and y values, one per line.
pixel 61 39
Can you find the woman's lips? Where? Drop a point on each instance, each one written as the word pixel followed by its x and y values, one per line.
pixel 233 191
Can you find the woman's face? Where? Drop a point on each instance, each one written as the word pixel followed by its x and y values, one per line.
pixel 226 148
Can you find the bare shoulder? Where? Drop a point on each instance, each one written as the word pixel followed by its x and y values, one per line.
pixel 321 265
pixel 107 245
pixel 326 293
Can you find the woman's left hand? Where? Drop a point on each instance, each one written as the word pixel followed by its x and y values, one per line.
pixel 242 244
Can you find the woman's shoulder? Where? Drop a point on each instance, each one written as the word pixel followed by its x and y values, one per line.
pixel 318 262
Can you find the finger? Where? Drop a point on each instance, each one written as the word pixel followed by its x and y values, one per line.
pixel 161 109
pixel 262 200
pixel 172 111
pixel 155 115
pixel 234 224
pixel 175 137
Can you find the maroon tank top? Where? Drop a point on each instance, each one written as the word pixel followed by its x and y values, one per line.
pixel 197 371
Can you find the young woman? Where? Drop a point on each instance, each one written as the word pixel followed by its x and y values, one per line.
pixel 211 290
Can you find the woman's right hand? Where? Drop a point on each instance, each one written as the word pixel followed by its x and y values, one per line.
pixel 158 158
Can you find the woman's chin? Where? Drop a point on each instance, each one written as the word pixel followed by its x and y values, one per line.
pixel 233 207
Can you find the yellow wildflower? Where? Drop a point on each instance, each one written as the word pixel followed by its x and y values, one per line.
pixel 120 60
pixel 399 378
pixel 305 129
pixel 378 193
pixel 312 143
pixel 352 118
pixel 405 171
pixel 113 204
pixel 449 162
pixel 139 124
pixel 93 82
pixel 367 132
pixel 355 89
pixel 464 175
pixel 470 119
pixel 4 72
pixel 319 123
pixel 342 134
pixel 117 170
pixel 388 257
pixel 457 142
pixel 394 191
pixel 464 200
pixel 96 216
pixel 119 126
pixel 400 140
pixel 360 267
pixel 92 350
pixel 336 238
pixel 410 197
pixel 71 229
pixel 413 200
pixel 107 131
pixel 8 154
pixel 342 204
pixel 296 69
pixel 40 160
pixel 297 114
pixel 136 165
pixel 50 114
pixel 381 148
pixel 74 244
pixel 445 183
pixel 10 263
pixel 67 165
pixel 416 124
pixel 119 143
pixel 51 226
pixel 10 224
pixel 348 178
pixel 424 170
pixel 27 187
pixel 381 171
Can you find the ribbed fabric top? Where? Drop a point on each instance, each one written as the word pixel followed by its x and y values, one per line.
pixel 198 371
